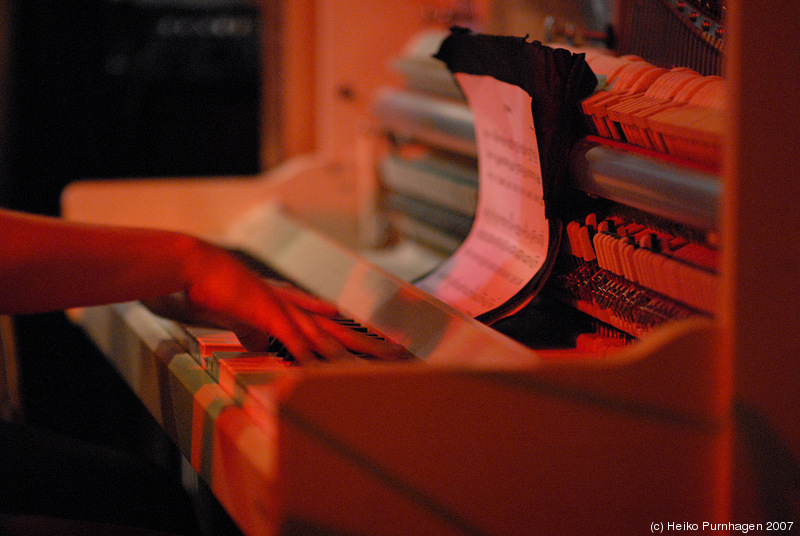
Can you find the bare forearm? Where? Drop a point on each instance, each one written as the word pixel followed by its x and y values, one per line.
pixel 49 264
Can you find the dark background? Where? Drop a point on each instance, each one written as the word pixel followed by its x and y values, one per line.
pixel 107 89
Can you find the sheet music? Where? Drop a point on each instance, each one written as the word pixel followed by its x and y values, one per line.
pixel 508 242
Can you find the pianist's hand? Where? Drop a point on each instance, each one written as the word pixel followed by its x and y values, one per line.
pixel 222 292
pixel 48 264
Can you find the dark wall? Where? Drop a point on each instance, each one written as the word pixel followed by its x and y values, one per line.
pixel 129 88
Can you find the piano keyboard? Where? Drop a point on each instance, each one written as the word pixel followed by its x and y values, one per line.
pixel 207 345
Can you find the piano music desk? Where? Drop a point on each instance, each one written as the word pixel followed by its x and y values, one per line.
pixel 480 435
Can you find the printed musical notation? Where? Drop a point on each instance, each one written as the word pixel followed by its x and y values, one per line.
pixel 508 242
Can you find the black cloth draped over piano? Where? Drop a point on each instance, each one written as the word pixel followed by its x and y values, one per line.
pixel 557 81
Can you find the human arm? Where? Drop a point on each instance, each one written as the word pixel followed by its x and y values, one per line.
pixel 50 264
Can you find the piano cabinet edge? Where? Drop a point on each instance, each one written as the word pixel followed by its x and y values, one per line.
pixel 512 451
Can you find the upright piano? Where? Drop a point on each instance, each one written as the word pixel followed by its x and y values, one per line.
pixel 628 427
